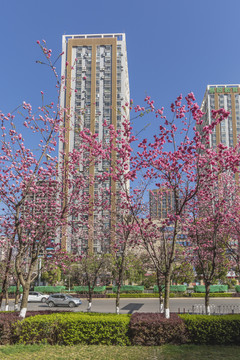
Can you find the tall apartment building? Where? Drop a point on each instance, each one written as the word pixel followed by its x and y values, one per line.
pixel 39 206
pixel 227 97
pixel 228 131
pixel 161 202
pixel 96 72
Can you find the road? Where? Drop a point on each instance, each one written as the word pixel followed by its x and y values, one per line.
pixel 128 306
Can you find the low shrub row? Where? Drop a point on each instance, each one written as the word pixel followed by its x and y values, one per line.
pixel 133 289
pixel 127 289
pixel 172 295
pixel 220 329
pixel 145 295
pixel 173 288
pixel 197 295
pixel 12 289
pixel 94 296
pixel 49 289
pixel 8 318
pixel 84 289
pixel 151 329
pixel 213 288
pixel 73 328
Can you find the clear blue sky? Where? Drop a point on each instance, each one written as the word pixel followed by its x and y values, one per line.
pixel 174 46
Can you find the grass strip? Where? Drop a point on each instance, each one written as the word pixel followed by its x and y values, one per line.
pixel 80 352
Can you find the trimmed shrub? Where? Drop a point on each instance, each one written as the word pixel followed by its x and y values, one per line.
pixel 132 289
pixel 49 289
pixel 135 296
pixel 85 296
pixel 84 289
pixel 6 321
pixel 201 295
pixel 210 329
pixel 237 288
pixel 145 295
pixel 173 288
pixel 154 329
pixel 8 318
pixel 73 328
pixel 213 288
pixel 172 295
pixel 12 289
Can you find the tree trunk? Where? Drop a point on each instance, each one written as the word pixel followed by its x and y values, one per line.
pixel 207 305
pixel 161 305
pixel 118 297
pixel 166 296
pixel 23 308
pixel 7 301
pixel 90 292
pixel 119 283
pixel 17 295
pixel 5 280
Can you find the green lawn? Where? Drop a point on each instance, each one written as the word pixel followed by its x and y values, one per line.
pixel 167 352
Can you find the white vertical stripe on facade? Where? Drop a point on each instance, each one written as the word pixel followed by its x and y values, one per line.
pixel 73 101
pixel 209 116
pixel 225 122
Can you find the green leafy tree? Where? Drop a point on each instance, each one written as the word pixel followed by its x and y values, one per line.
pixel 52 275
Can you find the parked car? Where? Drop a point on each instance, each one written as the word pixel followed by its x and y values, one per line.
pixel 63 300
pixel 35 296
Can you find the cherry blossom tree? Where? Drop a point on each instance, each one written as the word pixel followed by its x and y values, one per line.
pixel 208 233
pixel 128 205
pixel 182 164
pixel 31 189
pixel 233 226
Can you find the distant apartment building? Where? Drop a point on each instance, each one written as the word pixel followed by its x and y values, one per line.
pixel 96 90
pixel 228 131
pixel 227 97
pixel 161 203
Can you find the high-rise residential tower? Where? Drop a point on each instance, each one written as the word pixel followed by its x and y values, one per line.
pixel 96 88
pixel 228 131
pixel 227 97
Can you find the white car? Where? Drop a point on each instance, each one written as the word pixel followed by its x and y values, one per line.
pixel 35 296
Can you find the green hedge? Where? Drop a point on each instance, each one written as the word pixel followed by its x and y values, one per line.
pixel 129 289
pixel 49 289
pixel 172 295
pixel 198 295
pixel 73 328
pixel 12 289
pixel 173 288
pixel 210 329
pixel 110 329
pixel 145 295
pixel 213 288
pixel 84 289
pixel 142 295
pixel 237 288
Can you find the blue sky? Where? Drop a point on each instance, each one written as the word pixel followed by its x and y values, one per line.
pixel 174 46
